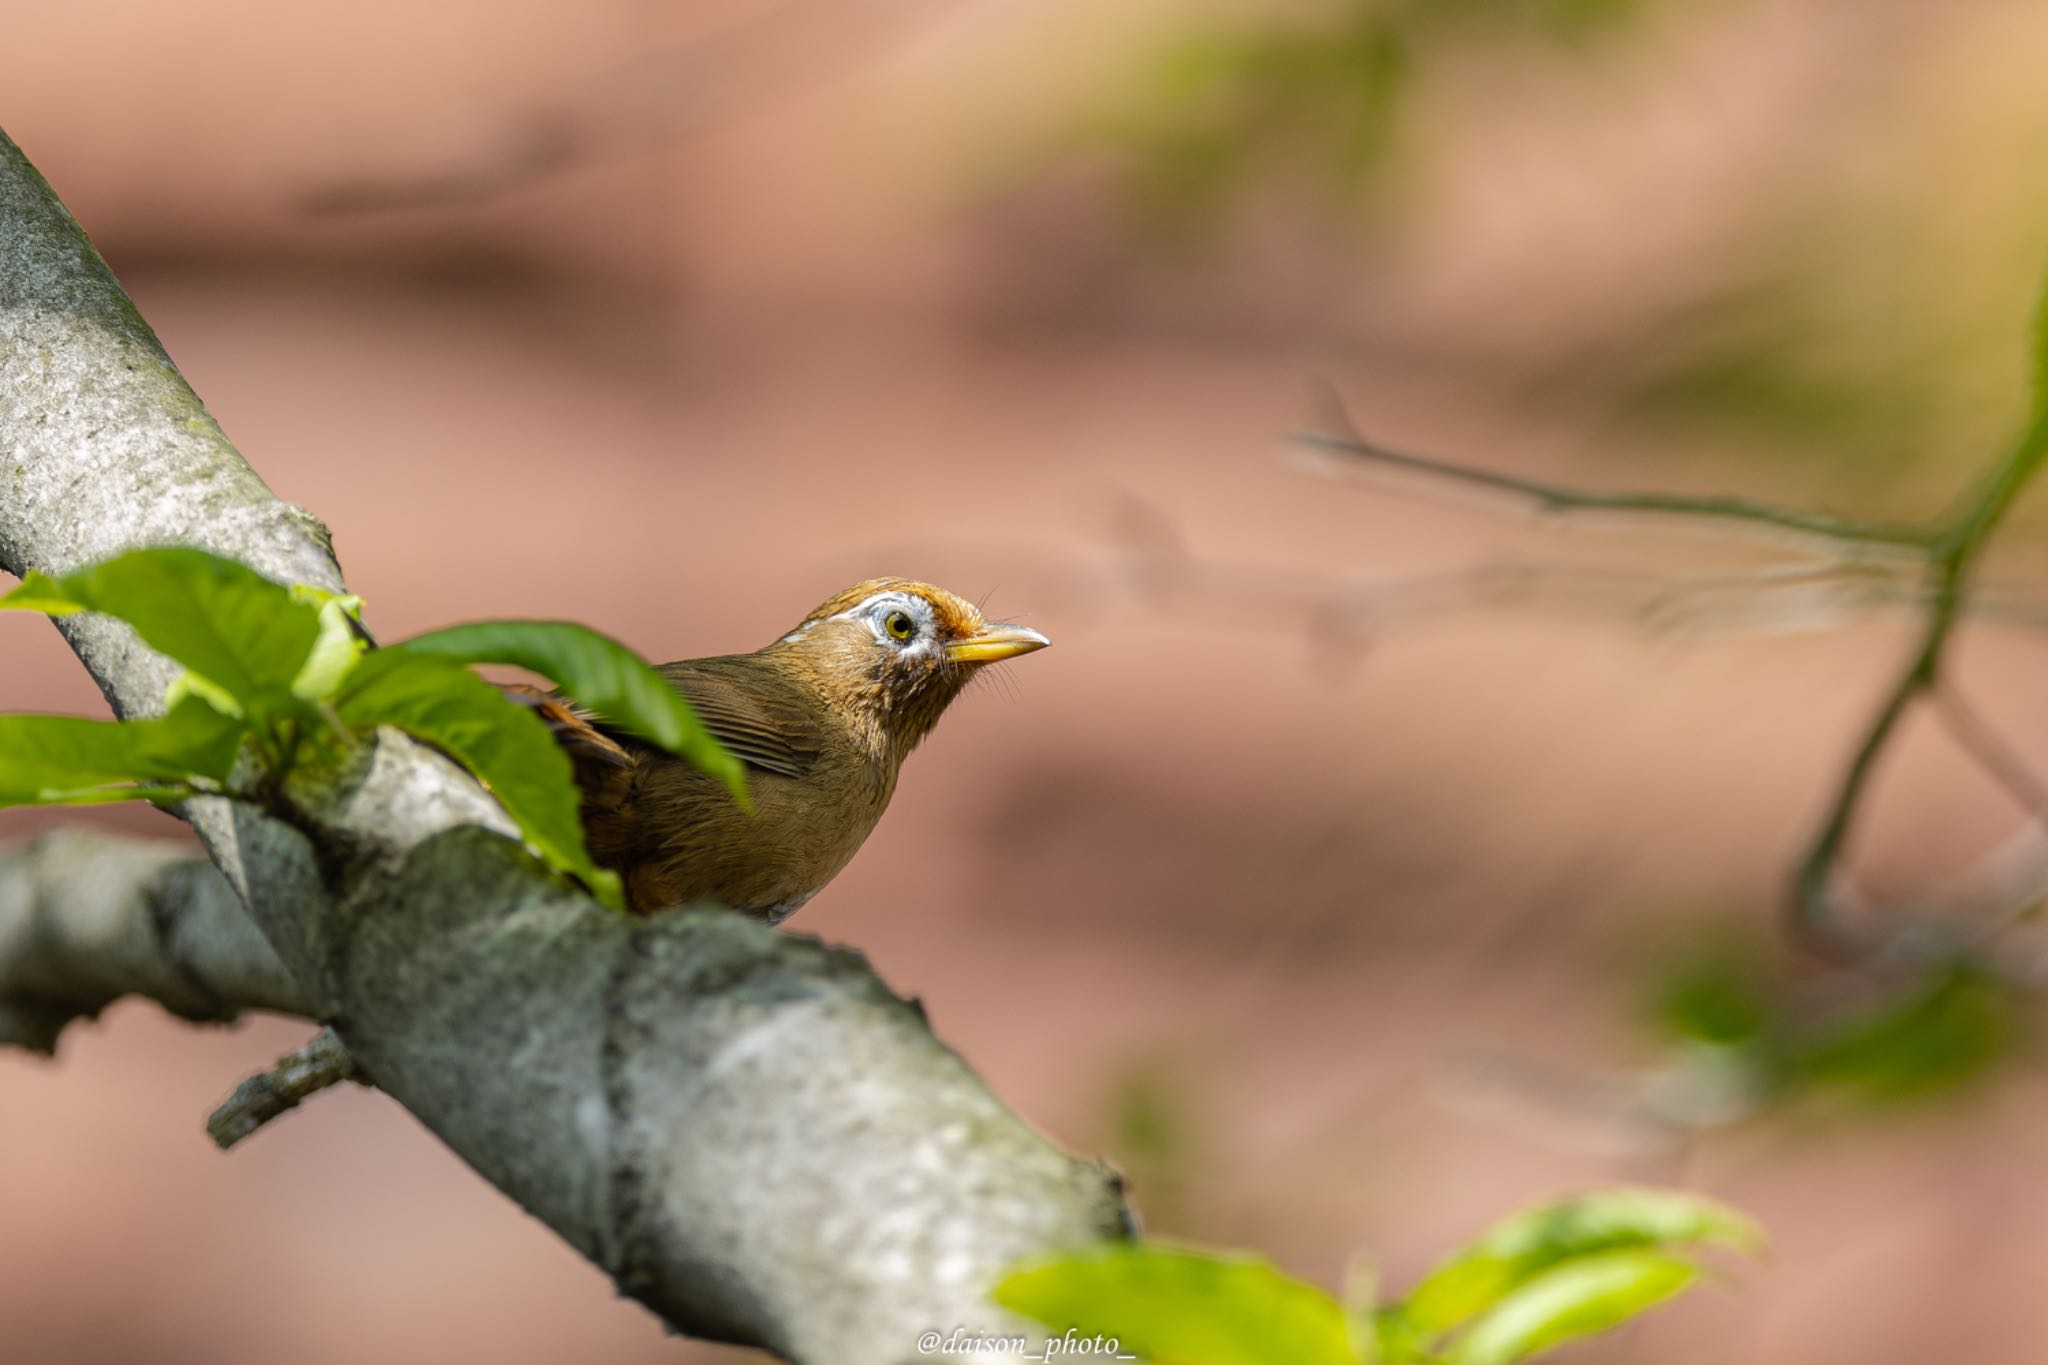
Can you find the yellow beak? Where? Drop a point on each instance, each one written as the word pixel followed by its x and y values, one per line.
pixel 992 643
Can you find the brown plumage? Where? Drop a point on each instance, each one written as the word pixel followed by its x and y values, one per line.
pixel 823 719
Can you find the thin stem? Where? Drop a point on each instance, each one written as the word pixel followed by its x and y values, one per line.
pixel 1949 548
pixel 1553 498
pixel 323 1062
pixel 1952 556
pixel 1980 739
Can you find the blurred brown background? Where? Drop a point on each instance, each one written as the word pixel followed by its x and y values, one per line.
pixel 1326 905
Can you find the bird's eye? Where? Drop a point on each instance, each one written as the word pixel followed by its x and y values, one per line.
pixel 899 625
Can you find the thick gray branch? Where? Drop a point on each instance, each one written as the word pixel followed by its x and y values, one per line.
pixel 746 1129
pixel 87 918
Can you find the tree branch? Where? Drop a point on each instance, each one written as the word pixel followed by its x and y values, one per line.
pixel 1951 559
pixel 87 918
pixel 1552 499
pixel 298 1075
pixel 1942 555
pixel 746 1129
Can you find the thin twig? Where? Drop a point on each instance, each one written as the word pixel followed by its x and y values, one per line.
pixel 1952 557
pixel 1552 499
pixel 323 1062
pixel 1949 549
pixel 1797 596
pixel 1980 739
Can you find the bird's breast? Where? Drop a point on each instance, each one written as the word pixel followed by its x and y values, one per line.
pixel 696 844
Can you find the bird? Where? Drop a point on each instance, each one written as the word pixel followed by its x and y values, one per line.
pixel 822 718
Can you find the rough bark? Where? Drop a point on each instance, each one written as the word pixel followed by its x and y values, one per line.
pixel 87 918
pixel 746 1129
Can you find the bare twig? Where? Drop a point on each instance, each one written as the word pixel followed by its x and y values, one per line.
pixel 1942 555
pixel 1951 558
pixel 1974 733
pixel 323 1062
pixel 1558 499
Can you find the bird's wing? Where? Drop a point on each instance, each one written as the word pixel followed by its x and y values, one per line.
pixel 763 720
pixel 572 726
pixel 767 722
pixel 604 768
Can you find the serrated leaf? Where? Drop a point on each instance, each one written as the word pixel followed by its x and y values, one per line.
pixel 1580 1297
pixel 225 622
pixel 503 744
pixel 1518 1249
pixel 1168 1304
pixel 46 760
pixel 599 673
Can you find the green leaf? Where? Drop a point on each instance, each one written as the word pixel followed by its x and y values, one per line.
pixel 2037 372
pixel 1169 1304
pixel 238 631
pixel 1395 1340
pixel 1719 992
pixel 1515 1251
pixel 597 672
pixel 1576 1299
pixel 336 648
pixel 189 685
pixel 505 745
pixel 1944 1030
pixel 71 759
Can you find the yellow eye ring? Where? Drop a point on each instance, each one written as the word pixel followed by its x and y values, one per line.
pixel 899 625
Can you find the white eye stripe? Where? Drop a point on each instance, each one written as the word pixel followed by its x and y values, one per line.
pixel 898 601
pixel 875 610
pixel 883 605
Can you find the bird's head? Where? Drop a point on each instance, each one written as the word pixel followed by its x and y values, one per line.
pixel 889 654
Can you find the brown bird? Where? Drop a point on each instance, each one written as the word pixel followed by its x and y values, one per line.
pixel 823 719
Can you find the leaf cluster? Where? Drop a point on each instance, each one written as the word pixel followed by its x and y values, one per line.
pixel 1564 1270
pixel 1731 1009
pixel 278 679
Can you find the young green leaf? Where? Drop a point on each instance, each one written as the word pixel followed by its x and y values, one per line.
pixel 1396 1341
pixel 238 631
pixel 71 759
pixel 597 672
pixel 1188 1307
pixel 336 648
pixel 1576 1299
pixel 439 701
pixel 1515 1251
